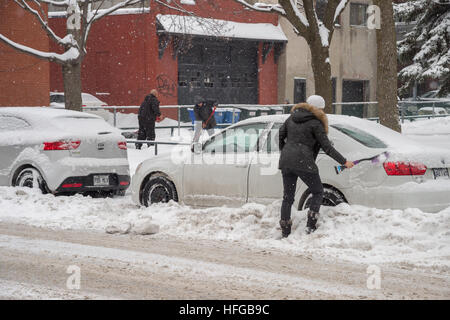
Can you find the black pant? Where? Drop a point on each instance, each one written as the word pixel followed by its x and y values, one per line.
pixel 146 132
pixel 312 180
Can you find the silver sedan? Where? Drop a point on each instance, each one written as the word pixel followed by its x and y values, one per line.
pixel 61 151
pixel 240 164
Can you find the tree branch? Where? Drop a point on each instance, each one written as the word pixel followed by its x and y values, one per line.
pixel 44 24
pixel 266 7
pixel 49 56
pixel 296 18
pixel 333 11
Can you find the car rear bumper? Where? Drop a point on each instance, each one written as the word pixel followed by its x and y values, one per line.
pixel 86 183
pixel 428 196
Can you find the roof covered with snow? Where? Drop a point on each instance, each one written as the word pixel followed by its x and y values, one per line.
pixel 176 24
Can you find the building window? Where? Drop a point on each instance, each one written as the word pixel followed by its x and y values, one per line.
pixel 299 90
pixel 358 14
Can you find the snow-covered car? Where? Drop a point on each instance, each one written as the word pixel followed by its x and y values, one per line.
pixel 88 100
pixel 61 151
pixel 57 100
pixel 240 164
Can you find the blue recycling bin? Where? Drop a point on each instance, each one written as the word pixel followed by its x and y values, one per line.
pixel 219 115
pixel 191 114
pixel 229 115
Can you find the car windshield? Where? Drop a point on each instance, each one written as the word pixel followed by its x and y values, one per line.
pixel 361 136
pixel 239 139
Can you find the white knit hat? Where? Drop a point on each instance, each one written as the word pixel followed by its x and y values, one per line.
pixel 316 101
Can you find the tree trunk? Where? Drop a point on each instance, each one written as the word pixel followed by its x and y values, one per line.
pixel 72 86
pixel 387 67
pixel 320 61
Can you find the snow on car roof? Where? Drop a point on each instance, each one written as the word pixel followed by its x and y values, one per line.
pixel 36 115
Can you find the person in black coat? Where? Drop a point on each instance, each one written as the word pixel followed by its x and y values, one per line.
pixel 147 116
pixel 300 139
pixel 204 117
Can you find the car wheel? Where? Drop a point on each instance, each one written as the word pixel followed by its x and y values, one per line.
pixel 331 198
pixel 31 178
pixel 158 189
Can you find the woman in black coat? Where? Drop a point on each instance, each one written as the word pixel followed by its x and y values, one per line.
pixel 301 137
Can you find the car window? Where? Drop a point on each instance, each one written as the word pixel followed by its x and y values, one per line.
pixel 59 98
pixel 361 136
pixel 233 140
pixel 9 123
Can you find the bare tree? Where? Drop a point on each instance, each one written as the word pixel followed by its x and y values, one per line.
pixel 80 15
pixel 317 33
pixel 387 66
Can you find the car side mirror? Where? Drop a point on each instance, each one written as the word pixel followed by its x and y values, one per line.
pixel 197 148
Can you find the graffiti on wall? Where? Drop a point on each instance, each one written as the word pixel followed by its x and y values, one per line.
pixel 165 85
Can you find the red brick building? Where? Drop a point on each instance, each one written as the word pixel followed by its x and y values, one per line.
pixel 230 55
pixel 24 80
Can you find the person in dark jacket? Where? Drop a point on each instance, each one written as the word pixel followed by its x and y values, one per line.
pixel 300 139
pixel 148 114
pixel 204 117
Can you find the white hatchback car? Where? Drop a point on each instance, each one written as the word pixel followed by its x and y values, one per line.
pixel 61 151
pixel 240 164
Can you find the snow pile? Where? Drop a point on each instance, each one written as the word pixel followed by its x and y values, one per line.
pixel 435 126
pixel 409 238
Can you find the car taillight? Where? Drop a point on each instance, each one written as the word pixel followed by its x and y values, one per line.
pixel 62 145
pixel 122 145
pixel 72 185
pixel 404 168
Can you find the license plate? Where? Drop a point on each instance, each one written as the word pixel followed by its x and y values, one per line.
pixel 101 180
pixel 441 173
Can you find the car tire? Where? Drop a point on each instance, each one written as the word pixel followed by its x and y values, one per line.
pixel 28 177
pixel 331 198
pixel 158 189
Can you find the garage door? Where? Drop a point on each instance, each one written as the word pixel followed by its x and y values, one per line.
pixel 223 71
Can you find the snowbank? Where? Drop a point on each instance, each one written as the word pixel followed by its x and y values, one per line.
pixel 409 238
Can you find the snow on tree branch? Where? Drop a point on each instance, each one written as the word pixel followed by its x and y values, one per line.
pixel 24 5
pixel 104 12
pixel 71 54
pixel 263 7
pixel 339 9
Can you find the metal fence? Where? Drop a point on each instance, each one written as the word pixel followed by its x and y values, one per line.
pixel 408 110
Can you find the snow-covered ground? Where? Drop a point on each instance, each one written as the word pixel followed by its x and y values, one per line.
pixel 353 233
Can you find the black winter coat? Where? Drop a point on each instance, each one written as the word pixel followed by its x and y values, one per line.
pixel 203 113
pixel 149 109
pixel 301 137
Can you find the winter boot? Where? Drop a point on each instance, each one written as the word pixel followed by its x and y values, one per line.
pixel 312 220
pixel 285 227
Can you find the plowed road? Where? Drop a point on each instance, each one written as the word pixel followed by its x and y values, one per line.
pixel 34 264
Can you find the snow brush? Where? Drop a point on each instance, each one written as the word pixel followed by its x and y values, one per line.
pixel 375 159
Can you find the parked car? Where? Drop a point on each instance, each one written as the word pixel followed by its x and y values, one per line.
pixel 57 101
pixel 428 99
pixel 432 111
pixel 61 151
pixel 240 164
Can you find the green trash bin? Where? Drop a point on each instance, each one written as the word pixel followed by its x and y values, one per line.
pixel 248 112
pixel 276 110
pixel 263 111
